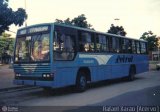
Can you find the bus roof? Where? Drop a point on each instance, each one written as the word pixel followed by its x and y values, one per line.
pixel 90 30
pixel 80 28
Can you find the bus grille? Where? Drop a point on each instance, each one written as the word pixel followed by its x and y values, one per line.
pixel 32 69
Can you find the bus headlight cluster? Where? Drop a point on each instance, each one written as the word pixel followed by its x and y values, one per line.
pixel 18 74
pixel 47 75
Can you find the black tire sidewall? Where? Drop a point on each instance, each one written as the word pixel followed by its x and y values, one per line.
pixel 79 86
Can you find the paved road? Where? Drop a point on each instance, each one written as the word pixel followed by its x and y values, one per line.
pixel 147 97
pixel 145 90
pixel 94 95
pixel 6 77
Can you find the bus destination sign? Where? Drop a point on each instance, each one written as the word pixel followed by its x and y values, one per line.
pixel 33 30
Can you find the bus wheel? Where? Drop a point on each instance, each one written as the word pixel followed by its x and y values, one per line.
pixel 81 82
pixel 132 73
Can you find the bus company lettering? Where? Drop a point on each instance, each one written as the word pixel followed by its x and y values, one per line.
pixel 124 59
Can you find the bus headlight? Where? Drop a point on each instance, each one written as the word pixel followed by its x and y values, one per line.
pixel 46 75
pixel 17 74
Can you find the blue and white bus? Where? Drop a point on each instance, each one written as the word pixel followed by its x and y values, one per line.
pixel 57 55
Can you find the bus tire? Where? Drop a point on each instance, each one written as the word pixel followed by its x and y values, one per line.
pixel 132 72
pixel 81 82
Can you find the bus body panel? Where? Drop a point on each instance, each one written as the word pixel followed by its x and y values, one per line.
pixel 142 64
pixel 102 66
pixel 65 76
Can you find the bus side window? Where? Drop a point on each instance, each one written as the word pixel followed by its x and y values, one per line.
pixel 123 46
pixel 143 48
pixel 64 46
pixel 101 43
pixel 86 42
pixel 126 46
pixel 117 45
pixel 129 47
pixel 133 47
pixel 138 47
pixel 110 43
pixel 113 44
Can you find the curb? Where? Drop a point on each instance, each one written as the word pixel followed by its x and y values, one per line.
pixel 12 88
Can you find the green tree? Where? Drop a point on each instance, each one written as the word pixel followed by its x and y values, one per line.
pixel 8 16
pixel 80 21
pixel 6 44
pixel 151 39
pixel 66 21
pixel 118 30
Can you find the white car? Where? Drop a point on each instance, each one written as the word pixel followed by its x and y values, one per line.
pixel 158 66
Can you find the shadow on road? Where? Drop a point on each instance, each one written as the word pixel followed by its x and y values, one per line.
pixel 16 98
pixel 72 90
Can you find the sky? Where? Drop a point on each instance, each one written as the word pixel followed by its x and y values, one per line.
pixel 136 16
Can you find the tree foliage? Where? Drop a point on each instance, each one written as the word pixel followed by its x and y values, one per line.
pixel 151 39
pixel 118 30
pixel 80 21
pixel 66 21
pixel 8 16
pixel 6 44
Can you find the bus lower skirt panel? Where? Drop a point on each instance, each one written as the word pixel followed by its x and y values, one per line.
pixel 34 83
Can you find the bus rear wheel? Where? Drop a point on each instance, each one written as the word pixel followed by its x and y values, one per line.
pixel 81 82
pixel 132 73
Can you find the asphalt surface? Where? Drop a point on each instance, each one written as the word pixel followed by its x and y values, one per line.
pixel 100 93
pixel 137 101
pixel 146 97
pixel 144 91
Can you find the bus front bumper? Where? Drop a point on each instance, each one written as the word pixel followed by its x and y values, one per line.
pixel 34 83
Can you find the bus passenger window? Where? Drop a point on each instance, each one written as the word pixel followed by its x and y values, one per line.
pixel 138 47
pixel 123 46
pixel 126 46
pixel 101 43
pixel 143 48
pixel 86 43
pixel 117 45
pixel 113 44
pixel 133 47
pixel 63 47
pixel 129 46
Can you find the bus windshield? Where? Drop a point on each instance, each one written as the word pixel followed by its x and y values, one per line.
pixel 32 48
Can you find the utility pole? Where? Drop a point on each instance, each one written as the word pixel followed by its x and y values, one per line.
pixel 158 48
pixel 25 3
